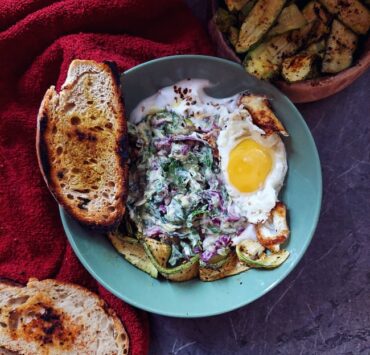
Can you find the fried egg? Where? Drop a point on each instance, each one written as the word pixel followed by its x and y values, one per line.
pixel 253 166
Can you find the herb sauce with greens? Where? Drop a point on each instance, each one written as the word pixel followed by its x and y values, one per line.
pixel 176 191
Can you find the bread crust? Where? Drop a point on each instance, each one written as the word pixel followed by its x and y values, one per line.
pixel 5 282
pixel 44 145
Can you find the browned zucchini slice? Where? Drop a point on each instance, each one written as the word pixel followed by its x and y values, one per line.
pixel 182 272
pixel 232 266
pixel 236 5
pixel 290 19
pixel 316 15
pixel 351 12
pixel 260 19
pixel 340 47
pixel 298 67
pixel 247 253
pixel 264 62
pixel 133 251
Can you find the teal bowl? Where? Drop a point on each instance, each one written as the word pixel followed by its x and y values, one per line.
pixel 302 195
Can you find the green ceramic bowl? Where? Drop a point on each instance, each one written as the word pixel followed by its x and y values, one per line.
pixel 302 195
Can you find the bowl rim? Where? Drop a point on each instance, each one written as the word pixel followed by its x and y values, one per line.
pixel 317 208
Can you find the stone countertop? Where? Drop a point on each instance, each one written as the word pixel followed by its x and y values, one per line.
pixel 323 306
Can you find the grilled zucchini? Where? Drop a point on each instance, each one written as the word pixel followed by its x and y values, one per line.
pixel 161 251
pixel 340 47
pixel 158 255
pixel 320 19
pixel 231 266
pixel 290 18
pixel 244 12
pixel 298 67
pixel 133 252
pixel 264 62
pixel 233 35
pixel 317 48
pixel 305 64
pixel 251 253
pixel 224 20
pixel 314 10
pixel 258 22
pixel 351 12
pixel 236 5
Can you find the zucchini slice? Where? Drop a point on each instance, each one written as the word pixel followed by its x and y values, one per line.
pixel 233 35
pixel 351 12
pixel 224 20
pixel 185 274
pixel 316 48
pixel 236 5
pixel 340 47
pixel 290 19
pixel 260 63
pixel 217 261
pixel 231 266
pixel 133 252
pixel 264 261
pixel 262 115
pixel 264 62
pixel 161 251
pixel 319 19
pixel 298 67
pixel 182 272
pixel 314 10
pixel 247 8
pixel 258 22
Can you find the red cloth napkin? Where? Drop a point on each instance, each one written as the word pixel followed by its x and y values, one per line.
pixel 38 40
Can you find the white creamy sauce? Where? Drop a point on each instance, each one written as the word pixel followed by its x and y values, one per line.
pixel 200 104
pixel 208 242
pixel 249 233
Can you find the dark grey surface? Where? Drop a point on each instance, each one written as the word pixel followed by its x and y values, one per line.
pixel 323 306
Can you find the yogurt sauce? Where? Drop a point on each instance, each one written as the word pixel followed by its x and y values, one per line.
pixel 186 98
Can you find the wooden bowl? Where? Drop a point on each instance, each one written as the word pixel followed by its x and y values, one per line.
pixel 307 90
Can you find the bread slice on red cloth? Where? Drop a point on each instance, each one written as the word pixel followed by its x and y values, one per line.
pixel 80 144
pixel 38 40
pixel 54 317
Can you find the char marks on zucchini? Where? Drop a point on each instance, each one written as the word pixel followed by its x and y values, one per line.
pixel 260 19
pixel 351 12
pixel 340 47
pixel 289 40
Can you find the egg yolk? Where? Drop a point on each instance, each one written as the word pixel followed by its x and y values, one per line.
pixel 249 165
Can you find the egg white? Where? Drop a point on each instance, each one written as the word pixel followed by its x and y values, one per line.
pixel 255 206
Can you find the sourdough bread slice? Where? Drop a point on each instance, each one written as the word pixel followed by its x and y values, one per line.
pixel 51 317
pixel 81 144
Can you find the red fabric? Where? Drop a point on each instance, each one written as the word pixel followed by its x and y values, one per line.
pixel 38 40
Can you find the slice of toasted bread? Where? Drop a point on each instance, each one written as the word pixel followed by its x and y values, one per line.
pixel 52 317
pixel 81 144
